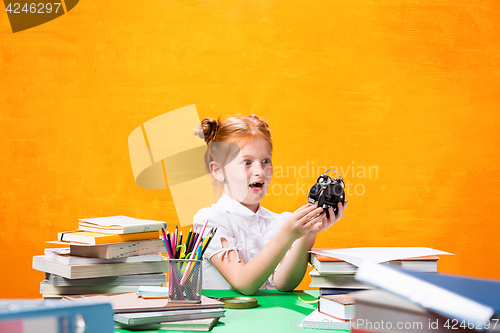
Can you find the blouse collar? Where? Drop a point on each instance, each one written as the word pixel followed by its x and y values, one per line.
pixel 229 204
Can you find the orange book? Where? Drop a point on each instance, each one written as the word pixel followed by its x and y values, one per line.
pixel 96 238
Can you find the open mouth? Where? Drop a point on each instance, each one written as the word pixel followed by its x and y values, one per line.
pixel 257 185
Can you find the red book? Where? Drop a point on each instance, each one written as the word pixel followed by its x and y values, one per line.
pixel 338 306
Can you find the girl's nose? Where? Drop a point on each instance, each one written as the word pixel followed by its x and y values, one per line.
pixel 257 169
pixel 263 170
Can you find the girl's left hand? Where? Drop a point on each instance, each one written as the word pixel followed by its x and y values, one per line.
pixel 326 223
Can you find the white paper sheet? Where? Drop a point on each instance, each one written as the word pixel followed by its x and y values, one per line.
pixel 357 255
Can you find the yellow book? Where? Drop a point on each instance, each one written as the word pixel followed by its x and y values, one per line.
pixel 97 238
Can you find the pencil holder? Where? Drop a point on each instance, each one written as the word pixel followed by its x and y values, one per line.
pixel 184 281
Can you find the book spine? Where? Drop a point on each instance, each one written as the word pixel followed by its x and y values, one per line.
pixel 423 293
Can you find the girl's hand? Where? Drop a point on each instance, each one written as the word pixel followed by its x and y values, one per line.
pixel 326 223
pixel 300 222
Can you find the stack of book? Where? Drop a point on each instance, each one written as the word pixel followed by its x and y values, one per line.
pixel 105 255
pixel 334 270
pixel 135 313
pixel 335 274
pixel 409 301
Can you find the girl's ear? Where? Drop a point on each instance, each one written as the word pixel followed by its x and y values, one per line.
pixel 216 172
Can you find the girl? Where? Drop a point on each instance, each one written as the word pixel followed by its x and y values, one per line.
pixel 253 247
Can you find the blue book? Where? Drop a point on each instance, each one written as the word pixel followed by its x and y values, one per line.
pixel 17 316
pixel 337 291
pixel 465 299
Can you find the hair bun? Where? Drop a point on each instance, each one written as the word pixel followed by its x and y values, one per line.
pixel 209 129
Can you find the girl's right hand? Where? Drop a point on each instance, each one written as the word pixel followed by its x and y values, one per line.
pixel 300 222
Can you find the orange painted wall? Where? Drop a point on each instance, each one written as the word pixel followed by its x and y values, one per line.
pixel 408 90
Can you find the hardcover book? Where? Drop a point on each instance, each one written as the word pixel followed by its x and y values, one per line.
pixel 63 256
pixel 338 306
pixel 46 264
pixel 336 281
pixel 153 279
pixel 117 250
pixel 120 225
pixel 95 238
pixel 453 296
pixel 129 302
pixel 326 264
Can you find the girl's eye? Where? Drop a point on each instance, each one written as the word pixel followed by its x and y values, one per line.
pixel 266 161
pixel 247 162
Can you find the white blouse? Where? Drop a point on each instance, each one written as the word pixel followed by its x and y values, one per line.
pixel 245 231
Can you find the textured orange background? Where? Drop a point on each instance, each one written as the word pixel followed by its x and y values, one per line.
pixel 409 88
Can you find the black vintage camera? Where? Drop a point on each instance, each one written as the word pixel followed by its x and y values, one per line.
pixel 327 192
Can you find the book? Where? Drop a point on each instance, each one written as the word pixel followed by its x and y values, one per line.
pixel 119 225
pixel 338 306
pixel 184 325
pixel 95 238
pixel 46 264
pixel 456 297
pixel 152 291
pixel 380 311
pixel 153 279
pixel 319 320
pixel 336 281
pixel 129 302
pixel 63 255
pixel 325 264
pixel 47 288
pixel 356 256
pixel 337 291
pixel 44 316
pixel 52 297
pixel 117 250
pixel 143 318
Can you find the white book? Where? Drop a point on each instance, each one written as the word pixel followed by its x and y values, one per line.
pixel 120 225
pixel 63 256
pixel 319 280
pixel 118 250
pixel 143 318
pixel 184 325
pixel 48 288
pixel 460 298
pixel 379 306
pixel 153 279
pixel 46 264
pixel 421 264
pixel 338 306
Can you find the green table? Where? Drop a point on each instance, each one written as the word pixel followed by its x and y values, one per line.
pixel 277 312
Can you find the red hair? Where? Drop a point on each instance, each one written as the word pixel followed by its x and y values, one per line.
pixel 233 129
